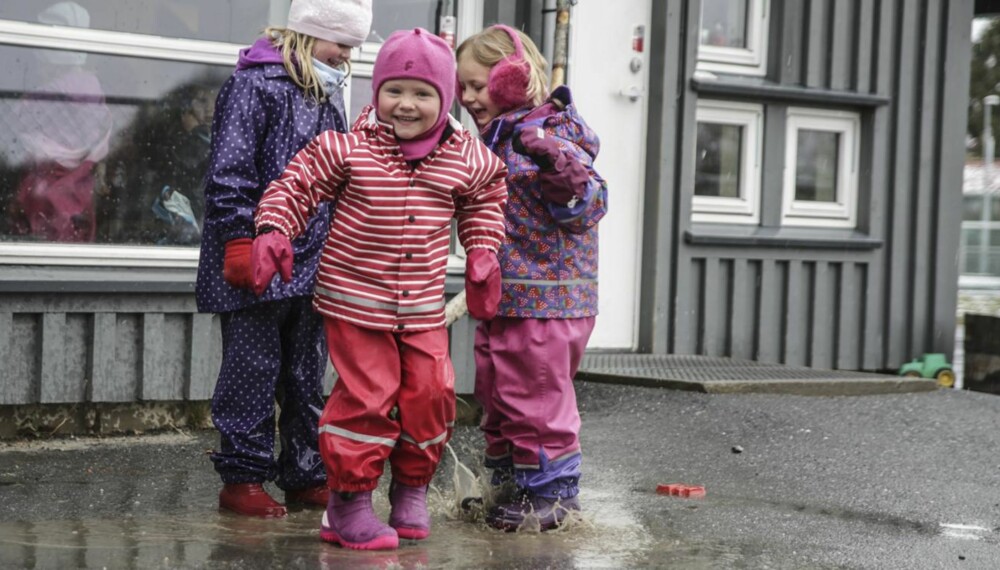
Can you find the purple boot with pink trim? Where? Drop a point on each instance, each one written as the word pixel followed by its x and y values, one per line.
pixel 350 521
pixel 409 514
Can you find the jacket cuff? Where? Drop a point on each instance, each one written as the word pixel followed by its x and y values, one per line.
pixel 276 223
pixel 237 233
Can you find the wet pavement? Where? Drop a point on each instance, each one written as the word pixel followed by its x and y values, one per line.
pixel 879 481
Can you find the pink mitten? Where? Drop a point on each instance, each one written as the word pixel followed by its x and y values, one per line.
pixel 271 253
pixel 562 178
pixel 482 284
pixel 531 141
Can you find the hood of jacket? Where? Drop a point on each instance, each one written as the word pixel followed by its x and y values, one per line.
pixel 260 53
pixel 557 112
pixel 368 121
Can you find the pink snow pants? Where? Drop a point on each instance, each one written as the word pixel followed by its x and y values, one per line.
pixel 524 381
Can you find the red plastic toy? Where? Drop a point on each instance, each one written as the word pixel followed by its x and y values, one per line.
pixel 681 490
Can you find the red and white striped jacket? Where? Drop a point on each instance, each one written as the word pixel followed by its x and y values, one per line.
pixel 384 261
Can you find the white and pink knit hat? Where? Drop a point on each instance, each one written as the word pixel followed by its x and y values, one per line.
pixel 339 21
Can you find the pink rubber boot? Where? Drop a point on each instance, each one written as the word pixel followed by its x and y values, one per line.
pixel 409 511
pixel 350 521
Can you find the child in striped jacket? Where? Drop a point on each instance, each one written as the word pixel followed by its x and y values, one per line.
pixel 399 177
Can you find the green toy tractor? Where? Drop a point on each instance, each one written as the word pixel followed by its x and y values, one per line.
pixel 930 366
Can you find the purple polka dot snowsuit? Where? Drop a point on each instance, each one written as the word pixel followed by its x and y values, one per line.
pixel 273 346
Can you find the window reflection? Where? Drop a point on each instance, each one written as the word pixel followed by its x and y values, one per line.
pixel 233 21
pixel 103 149
pixel 718 160
pixel 156 188
pixel 391 15
pixel 816 165
pixel 361 95
pixel 724 23
pixel 58 128
pixel 112 149
pixel 972 208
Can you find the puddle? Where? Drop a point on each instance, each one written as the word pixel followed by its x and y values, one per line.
pixel 965 531
pixel 126 508
pixel 605 535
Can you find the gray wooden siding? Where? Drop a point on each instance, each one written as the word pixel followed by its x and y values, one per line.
pixel 866 299
pixel 65 348
pixel 70 348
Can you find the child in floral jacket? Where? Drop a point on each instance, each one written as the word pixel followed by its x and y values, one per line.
pixel 526 356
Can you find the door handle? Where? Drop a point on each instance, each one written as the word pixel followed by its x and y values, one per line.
pixel 632 92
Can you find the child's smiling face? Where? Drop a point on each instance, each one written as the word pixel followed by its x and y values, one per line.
pixel 410 105
pixel 331 53
pixel 473 79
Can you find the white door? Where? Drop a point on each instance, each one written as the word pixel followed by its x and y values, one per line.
pixel 608 76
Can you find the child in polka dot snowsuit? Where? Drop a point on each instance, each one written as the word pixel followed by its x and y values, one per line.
pixel 287 88
pixel 399 177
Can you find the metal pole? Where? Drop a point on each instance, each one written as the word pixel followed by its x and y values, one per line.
pixel 560 52
pixel 988 143
pixel 988 150
pixel 548 31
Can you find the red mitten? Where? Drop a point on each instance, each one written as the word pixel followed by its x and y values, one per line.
pixel 236 263
pixel 272 252
pixel 482 284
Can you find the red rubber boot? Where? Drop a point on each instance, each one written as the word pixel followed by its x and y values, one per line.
pixel 250 499
pixel 310 496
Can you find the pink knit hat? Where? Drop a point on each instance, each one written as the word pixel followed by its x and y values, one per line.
pixel 339 21
pixel 418 54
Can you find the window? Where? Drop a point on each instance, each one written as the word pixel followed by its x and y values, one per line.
pixel 103 142
pixel 980 245
pixel 821 168
pixel 392 15
pixel 733 36
pixel 230 21
pixel 728 163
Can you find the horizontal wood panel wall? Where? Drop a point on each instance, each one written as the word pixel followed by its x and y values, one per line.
pixel 65 349
pixel 870 309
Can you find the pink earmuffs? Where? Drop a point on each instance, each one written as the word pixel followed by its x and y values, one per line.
pixel 508 81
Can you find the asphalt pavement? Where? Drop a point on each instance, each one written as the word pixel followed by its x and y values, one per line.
pixel 904 480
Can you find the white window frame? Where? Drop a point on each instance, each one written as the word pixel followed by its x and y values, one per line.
pixel 751 60
pixel 843 212
pixel 746 208
pixel 26 34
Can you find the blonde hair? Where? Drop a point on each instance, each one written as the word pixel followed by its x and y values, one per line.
pixel 492 45
pixel 296 50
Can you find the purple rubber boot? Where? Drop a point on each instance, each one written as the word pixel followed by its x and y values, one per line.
pixel 409 511
pixel 547 512
pixel 350 521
